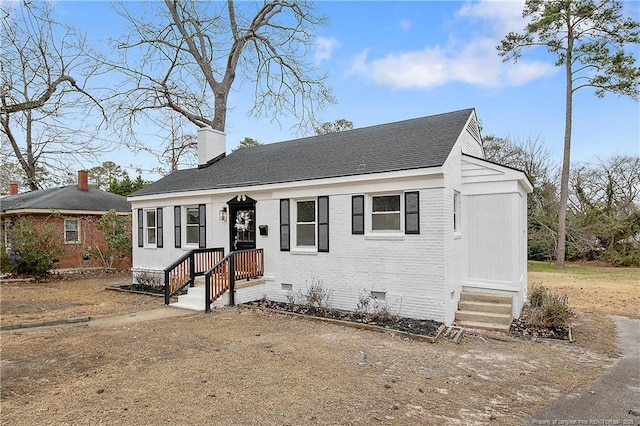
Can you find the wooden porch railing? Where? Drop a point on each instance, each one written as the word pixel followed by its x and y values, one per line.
pixel 183 271
pixel 237 265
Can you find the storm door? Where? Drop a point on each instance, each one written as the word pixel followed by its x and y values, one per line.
pixel 242 223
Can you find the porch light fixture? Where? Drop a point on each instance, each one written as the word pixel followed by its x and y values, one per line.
pixel 222 214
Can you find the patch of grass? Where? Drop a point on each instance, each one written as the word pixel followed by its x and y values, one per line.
pixel 606 290
pixel 586 270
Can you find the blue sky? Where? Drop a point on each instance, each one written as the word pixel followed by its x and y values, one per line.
pixel 390 61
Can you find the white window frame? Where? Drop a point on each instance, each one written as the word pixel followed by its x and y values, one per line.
pixel 71 219
pixel 186 225
pixel 370 213
pixel 457 219
pixel 295 223
pixel 147 227
pixel 6 229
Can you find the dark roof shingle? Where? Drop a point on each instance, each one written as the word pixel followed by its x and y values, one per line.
pixel 410 144
pixel 66 198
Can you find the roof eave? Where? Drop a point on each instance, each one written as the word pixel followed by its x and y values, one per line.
pixel 432 172
pixel 59 211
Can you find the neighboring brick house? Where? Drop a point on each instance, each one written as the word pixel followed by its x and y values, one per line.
pixel 73 211
pixel 408 212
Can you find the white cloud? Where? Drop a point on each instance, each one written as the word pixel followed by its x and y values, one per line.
pixel 324 48
pixel 477 63
pixel 502 16
pixel 473 60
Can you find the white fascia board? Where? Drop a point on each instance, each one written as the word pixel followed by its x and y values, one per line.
pixel 493 187
pixel 427 173
pixel 507 173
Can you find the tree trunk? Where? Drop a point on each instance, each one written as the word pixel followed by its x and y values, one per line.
pixel 30 170
pixel 566 161
pixel 220 109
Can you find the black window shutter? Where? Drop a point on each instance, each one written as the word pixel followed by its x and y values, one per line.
pixel 140 228
pixel 177 227
pixel 284 225
pixel 412 212
pixel 323 224
pixel 357 214
pixel 159 241
pixel 202 227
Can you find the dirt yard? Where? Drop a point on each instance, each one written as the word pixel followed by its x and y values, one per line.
pixel 241 366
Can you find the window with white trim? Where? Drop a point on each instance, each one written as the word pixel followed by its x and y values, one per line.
pixel 192 225
pixel 306 222
pixel 305 219
pixel 456 211
pixel 386 214
pixel 71 230
pixel 150 227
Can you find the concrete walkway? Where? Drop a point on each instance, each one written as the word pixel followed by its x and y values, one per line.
pixel 142 316
pixel 112 321
pixel 614 399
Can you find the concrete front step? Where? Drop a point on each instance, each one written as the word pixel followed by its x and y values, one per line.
pixel 495 308
pixel 198 290
pixel 467 296
pixel 486 317
pixel 484 325
pixel 194 299
pixel 489 311
pixel 191 307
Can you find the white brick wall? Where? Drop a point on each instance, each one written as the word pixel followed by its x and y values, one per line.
pixel 408 268
pixel 421 275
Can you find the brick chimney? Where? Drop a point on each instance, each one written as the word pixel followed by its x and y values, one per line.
pixel 83 180
pixel 211 146
pixel 13 189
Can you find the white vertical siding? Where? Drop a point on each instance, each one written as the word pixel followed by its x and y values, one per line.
pixel 490 229
pixel 495 226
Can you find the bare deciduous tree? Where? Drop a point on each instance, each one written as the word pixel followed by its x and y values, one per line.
pixel 591 40
pixel 187 56
pixel 178 147
pixel 531 156
pixel 45 103
pixel 604 210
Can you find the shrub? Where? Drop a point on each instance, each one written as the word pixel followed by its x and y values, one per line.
pixel 5 262
pixel 557 313
pixel 316 295
pixel 623 258
pixel 537 295
pixel 548 309
pixel 33 247
pixel 372 307
pixel 117 237
pixel 149 279
pixel 34 261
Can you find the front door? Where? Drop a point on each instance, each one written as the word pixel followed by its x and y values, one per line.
pixel 242 223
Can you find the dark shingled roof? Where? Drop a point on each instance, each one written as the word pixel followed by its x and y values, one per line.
pixel 66 198
pixel 403 145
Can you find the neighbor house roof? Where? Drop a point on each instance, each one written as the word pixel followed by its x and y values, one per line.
pixel 403 145
pixel 65 198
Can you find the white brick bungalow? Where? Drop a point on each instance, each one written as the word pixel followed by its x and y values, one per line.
pixel 407 210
